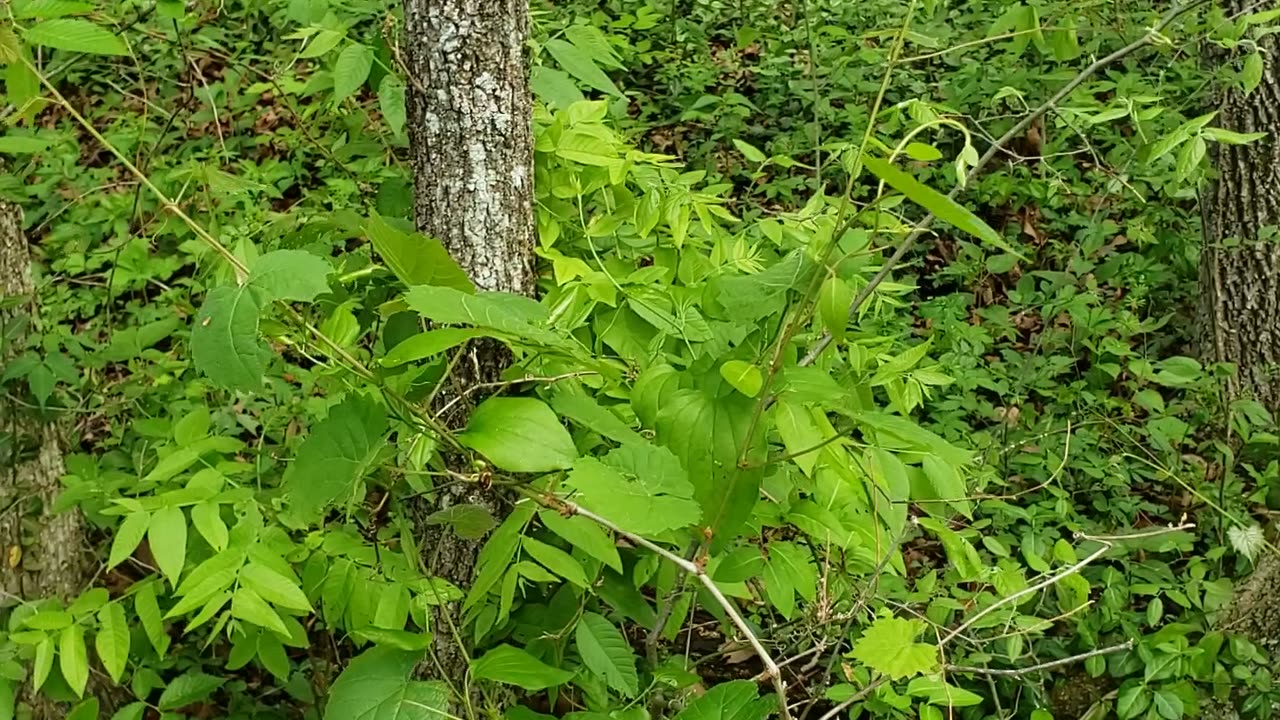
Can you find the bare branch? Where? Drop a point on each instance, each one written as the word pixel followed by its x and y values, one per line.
pixel 1014 672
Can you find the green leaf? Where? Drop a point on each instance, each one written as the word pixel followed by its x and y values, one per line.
pixel 274 587
pixel 19 145
pixel 516 315
pixel 112 640
pixel 86 710
pixel 1132 701
pixel 585 535
pixel 207 518
pixel 921 152
pixel 321 43
pixel 167 538
pixel 1230 137
pixel 937 692
pixel 941 206
pixel 377 685
pixel 554 87
pixel 1190 156
pixel 466 520
pixel 749 151
pixel 76 35
pixel 338 453
pixel 1251 74
pixel 49 8
pixel 743 376
pixel 224 339
pixel 607 654
pixel 788 570
pixel 707 434
pixel 734 700
pixel 188 689
pixel 889 647
pixel 73 658
pixel 391 101
pixel 641 488
pixel 579 64
pixel 128 536
pixel 427 344
pixel 351 70
pixel 585 411
pixel 42 664
pixel 557 561
pixel 249 606
pixel 515 666
pixel 290 275
pixel 132 711
pixel 148 611
pixel 834 301
pixel 519 435
pixel 415 258
pixel 1168 704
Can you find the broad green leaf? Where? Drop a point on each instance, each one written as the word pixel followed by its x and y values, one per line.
pixel 1231 137
pixel 128 536
pixel 584 534
pixel 167 538
pixel 554 87
pixel 49 620
pixel 86 710
pixel 378 685
pixel 941 206
pixel 749 151
pixel 187 689
pixel 274 587
pixel 467 520
pixel 112 640
pixel 19 145
pixel 519 435
pixel 249 606
pixel 1252 73
pixel 923 153
pixel 44 9
pixel 707 434
pixel 73 658
pixel 428 344
pixel 734 700
pixel 515 666
pixel 889 648
pixel 937 692
pixel 579 64
pixel 290 275
pixel 834 301
pixel 132 711
pixel 605 652
pixel 148 611
pixel 743 376
pixel 788 570
pixel 498 552
pixel 557 561
pixel 515 315
pixel 207 518
pixel 206 580
pixel 337 454
pixel 321 43
pixel 42 665
pixel 391 101
pixel 641 488
pixel 76 35
pixel 224 339
pixel 398 639
pixel 351 70
pixel 1132 701
pixel 415 258
pixel 585 411
pixel 8 698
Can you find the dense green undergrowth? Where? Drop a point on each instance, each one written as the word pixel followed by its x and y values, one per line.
pixel 248 396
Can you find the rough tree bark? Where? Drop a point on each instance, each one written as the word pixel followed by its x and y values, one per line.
pixel 471 138
pixel 1240 297
pixel 44 553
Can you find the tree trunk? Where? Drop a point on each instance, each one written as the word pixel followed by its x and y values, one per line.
pixel 1240 299
pixel 471 137
pixel 44 553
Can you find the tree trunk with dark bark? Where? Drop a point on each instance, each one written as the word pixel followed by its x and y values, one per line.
pixel 1240 299
pixel 44 552
pixel 471 137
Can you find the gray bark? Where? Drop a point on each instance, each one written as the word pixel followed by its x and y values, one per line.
pixel 471 137
pixel 1240 300
pixel 44 553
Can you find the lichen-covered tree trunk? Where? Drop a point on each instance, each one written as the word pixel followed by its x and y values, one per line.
pixel 471 138
pixel 1240 296
pixel 44 552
